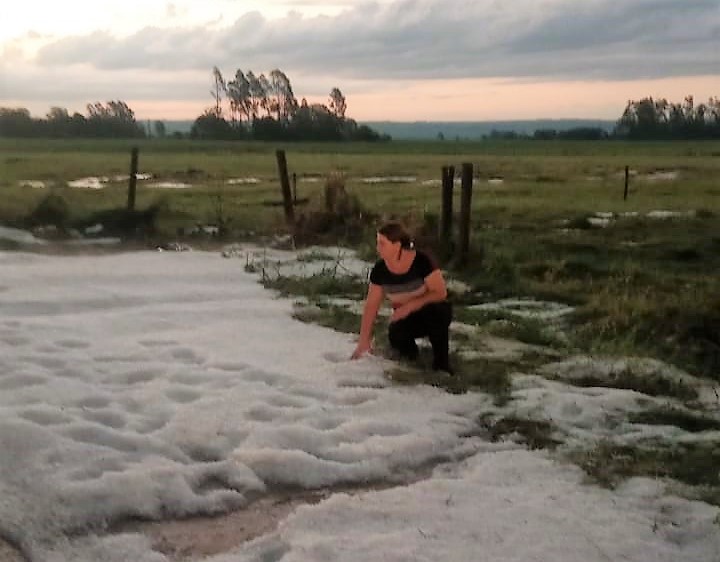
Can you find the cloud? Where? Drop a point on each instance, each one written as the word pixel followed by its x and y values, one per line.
pixel 374 48
pixel 417 39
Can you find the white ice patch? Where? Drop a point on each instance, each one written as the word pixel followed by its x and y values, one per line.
pixel 527 308
pixel 165 385
pixel 18 236
pixel 503 506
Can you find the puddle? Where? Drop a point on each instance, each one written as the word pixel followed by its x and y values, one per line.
pixel 599 222
pixel 141 177
pixel 34 184
pixel 89 183
pixel 670 214
pixel 670 175
pixel 170 185
pixel 390 179
pixel 99 182
pixel 243 181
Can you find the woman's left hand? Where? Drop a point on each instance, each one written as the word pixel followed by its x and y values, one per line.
pixel 400 312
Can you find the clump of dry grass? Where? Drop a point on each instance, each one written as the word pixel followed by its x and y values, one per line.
pixel 343 218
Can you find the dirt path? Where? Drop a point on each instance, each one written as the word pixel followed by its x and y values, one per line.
pixel 200 537
pixel 9 553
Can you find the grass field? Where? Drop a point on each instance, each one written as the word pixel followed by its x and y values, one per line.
pixel 642 282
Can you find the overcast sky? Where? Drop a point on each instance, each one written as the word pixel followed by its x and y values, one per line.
pixel 393 59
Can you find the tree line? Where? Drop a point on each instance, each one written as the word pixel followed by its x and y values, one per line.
pixel 113 119
pixel 256 107
pixel 263 107
pixel 660 119
pixel 248 107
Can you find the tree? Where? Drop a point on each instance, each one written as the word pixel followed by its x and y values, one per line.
pixel 655 119
pixel 238 92
pixel 281 97
pixel 315 122
pixel 258 94
pixel 337 104
pixel 218 89
pixel 160 130
pixel 211 126
pixel 58 122
pixel 113 119
pixel 16 122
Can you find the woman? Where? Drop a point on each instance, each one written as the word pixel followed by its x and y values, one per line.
pixel 416 290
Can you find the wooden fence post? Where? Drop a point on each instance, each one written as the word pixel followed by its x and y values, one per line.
pixel 448 180
pixel 294 188
pixel 285 185
pixel 627 182
pixel 132 182
pixel 465 214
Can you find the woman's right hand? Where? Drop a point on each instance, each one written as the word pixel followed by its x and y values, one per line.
pixel 361 349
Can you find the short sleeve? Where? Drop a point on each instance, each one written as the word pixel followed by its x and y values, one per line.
pixel 376 275
pixel 425 264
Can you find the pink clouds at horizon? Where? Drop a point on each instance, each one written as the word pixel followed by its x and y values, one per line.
pixel 485 100
pixel 455 100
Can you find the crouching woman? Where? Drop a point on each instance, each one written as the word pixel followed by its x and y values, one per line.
pixel 415 287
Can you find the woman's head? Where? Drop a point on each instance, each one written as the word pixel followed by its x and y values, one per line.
pixel 392 237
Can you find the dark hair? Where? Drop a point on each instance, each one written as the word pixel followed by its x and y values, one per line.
pixel 396 232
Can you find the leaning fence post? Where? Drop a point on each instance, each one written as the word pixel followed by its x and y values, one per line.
pixel 465 203
pixel 627 182
pixel 285 185
pixel 132 182
pixel 448 179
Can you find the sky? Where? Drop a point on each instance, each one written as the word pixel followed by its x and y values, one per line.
pixel 172 385
pixel 397 60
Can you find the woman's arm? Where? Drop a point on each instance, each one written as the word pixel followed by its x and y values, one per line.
pixel 372 306
pixel 436 292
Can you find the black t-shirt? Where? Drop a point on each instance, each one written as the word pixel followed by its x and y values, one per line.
pixel 412 282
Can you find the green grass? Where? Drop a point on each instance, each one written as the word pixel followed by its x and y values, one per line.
pixel 694 464
pixel 317 286
pixel 642 286
pixel 330 316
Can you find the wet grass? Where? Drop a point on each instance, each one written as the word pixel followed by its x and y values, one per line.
pixel 338 318
pixel 317 286
pixel 652 384
pixel 532 433
pixel 475 373
pixel 694 464
pixel 670 415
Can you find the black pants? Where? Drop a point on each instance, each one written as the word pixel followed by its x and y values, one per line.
pixel 432 321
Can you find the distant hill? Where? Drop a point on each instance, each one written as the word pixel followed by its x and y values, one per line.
pixel 478 129
pixel 419 130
